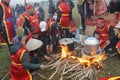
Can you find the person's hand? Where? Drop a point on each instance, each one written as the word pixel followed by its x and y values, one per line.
pixel 42 66
pixel 47 58
pixel 107 42
pixel 51 48
pixel 47 48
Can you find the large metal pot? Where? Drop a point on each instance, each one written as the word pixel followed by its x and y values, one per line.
pixel 67 41
pixel 91 44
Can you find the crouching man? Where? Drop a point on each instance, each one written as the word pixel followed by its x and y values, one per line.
pixel 105 33
pixel 20 63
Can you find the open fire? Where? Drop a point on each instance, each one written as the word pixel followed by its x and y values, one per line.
pixel 84 60
pixel 69 65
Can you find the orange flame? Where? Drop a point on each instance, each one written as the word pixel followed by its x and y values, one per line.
pixel 93 60
pixel 84 60
pixel 65 51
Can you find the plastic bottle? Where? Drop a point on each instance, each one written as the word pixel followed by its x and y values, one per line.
pixel 77 37
pixel 81 30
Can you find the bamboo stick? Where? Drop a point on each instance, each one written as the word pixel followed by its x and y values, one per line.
pixel 5 76
pixel 71 69
pixel 42 76
pixel 52 75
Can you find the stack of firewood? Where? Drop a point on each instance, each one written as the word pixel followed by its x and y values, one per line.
pixel 72 69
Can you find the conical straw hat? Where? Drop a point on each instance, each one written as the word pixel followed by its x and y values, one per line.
pixel 33 44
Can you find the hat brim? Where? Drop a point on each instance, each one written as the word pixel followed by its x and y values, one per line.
pixel 33 44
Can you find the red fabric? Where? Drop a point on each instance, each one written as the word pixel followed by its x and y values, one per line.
pixel 72 27
pixel 8 23
pixel 49 23
pixel 104 34
pixel 2 40
pixel 100 20
pixel 29 7
pixel 35 31
pixel 117 15
pixel 65 15
pixel 17 71
pixel 118 45
pixel 110 78
pixel 33 20
pixel 20 22
pixel 105 78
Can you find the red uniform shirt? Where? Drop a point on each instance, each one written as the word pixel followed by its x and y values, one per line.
pixel 7 20
pixel 104 34
pixel 17 70
pixel 65 14
pixel 33 20
pixel 110 78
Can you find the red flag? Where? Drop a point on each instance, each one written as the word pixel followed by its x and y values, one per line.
pixel 110 78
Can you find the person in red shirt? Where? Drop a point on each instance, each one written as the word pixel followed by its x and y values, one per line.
pixel 29 19
pixel 7 30
pixel 64 18
pixel 118 37
pixel 20 61
pixel 105 33
pixel 40 52
pixel 54 31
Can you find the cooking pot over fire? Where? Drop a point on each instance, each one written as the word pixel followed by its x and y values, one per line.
pixel 91 44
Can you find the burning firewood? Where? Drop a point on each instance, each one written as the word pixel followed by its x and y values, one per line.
pixel 69 65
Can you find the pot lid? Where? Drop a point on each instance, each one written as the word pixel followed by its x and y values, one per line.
pixel 91 41
pixel 66 41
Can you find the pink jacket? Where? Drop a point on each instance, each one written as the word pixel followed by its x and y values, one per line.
pixel 100 8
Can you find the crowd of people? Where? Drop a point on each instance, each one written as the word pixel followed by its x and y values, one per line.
pixel 46 33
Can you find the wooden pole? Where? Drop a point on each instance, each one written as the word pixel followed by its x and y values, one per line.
pixel 5 76
pixel 25 4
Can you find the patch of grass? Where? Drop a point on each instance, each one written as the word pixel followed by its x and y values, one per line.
pixel 4 61
pixel 111 67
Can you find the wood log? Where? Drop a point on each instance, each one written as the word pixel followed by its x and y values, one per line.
pixel 80 73
pixel 5 76
pixel 52 75
pixel 71 68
